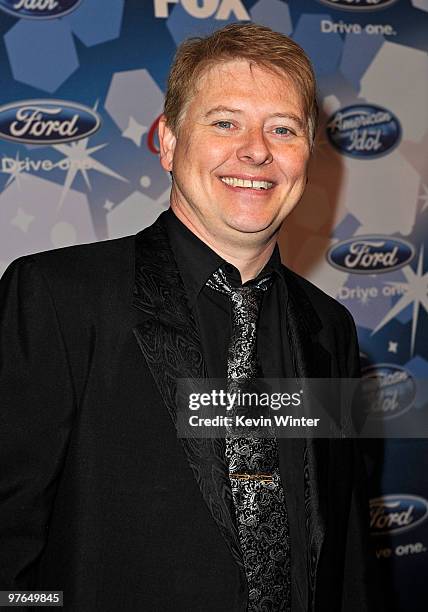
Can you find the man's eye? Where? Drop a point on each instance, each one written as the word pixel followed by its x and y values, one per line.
pixel 283 131
pixel 225 125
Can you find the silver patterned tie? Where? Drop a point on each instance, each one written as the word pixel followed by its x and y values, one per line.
pixel 256 485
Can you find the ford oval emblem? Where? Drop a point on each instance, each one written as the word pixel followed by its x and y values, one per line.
pixel 388 391
pixel 391 514
pixel 39 9
pixel 358 5
pixel 372 254
pixel 47 121
pixel 363 131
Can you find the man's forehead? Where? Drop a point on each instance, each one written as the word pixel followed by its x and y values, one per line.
pixel 234 85
pixel 227 71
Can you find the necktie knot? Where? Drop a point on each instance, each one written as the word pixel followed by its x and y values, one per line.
pixel 245 303
pixel 239 295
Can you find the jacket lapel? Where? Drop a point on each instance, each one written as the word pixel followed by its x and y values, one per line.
pixel 310 360
pixel 169 341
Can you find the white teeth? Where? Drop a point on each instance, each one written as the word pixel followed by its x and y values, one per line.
pixel 236 182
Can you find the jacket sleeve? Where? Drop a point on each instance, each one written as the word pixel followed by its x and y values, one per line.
pixel 36 408
pixel 360 587
pixel 353 365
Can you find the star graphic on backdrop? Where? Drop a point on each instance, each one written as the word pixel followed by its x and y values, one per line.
pixel 392 347
pixel 15 171
pixel 22 220
pixel 424 198
pixel 134 131
pixel 416 293
pixel 80 160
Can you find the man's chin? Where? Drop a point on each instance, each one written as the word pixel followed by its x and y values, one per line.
pixel 253 229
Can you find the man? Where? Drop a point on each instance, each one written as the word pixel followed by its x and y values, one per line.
pixel 100 498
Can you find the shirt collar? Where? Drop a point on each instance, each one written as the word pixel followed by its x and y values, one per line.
pixel 196 261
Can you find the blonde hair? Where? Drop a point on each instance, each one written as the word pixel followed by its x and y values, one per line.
pixel 258 45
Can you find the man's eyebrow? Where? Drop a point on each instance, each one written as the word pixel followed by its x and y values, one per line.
pixel 296 118
pixel 217 110
pixel 221 109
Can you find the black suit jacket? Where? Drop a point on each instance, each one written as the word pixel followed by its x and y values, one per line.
pixel 99 498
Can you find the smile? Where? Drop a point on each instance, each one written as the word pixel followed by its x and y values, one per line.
pixel 237 182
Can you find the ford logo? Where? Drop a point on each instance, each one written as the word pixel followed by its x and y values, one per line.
pixel 358 5
pixel 372 254
pixel 39 9
pixel 391 514
pixel 363 131
pixel 388 391
pixel 47 121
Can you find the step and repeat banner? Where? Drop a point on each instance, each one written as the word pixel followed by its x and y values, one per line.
pixel 81 92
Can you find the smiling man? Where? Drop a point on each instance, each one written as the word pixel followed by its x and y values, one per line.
pixel 101 499
pixel 239 159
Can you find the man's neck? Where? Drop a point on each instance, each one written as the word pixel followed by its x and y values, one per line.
pixel 249 259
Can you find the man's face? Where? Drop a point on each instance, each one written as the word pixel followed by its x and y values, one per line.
pixel 240 158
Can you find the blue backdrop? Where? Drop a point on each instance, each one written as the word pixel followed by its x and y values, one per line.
pixel 96 71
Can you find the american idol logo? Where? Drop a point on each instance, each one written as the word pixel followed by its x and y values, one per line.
pixel 363 131
pixel 47 121
pixel 392 514
pixel 358 5
pixel 388 391
pixel 371 254
pixel 39 9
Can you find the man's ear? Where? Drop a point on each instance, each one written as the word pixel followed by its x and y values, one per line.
pixel 167 142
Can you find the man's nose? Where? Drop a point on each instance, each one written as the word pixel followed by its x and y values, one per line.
pixel 254 149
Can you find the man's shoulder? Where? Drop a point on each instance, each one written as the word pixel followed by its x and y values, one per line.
pixel 93 253
pixel 88 273
pixel 85 260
